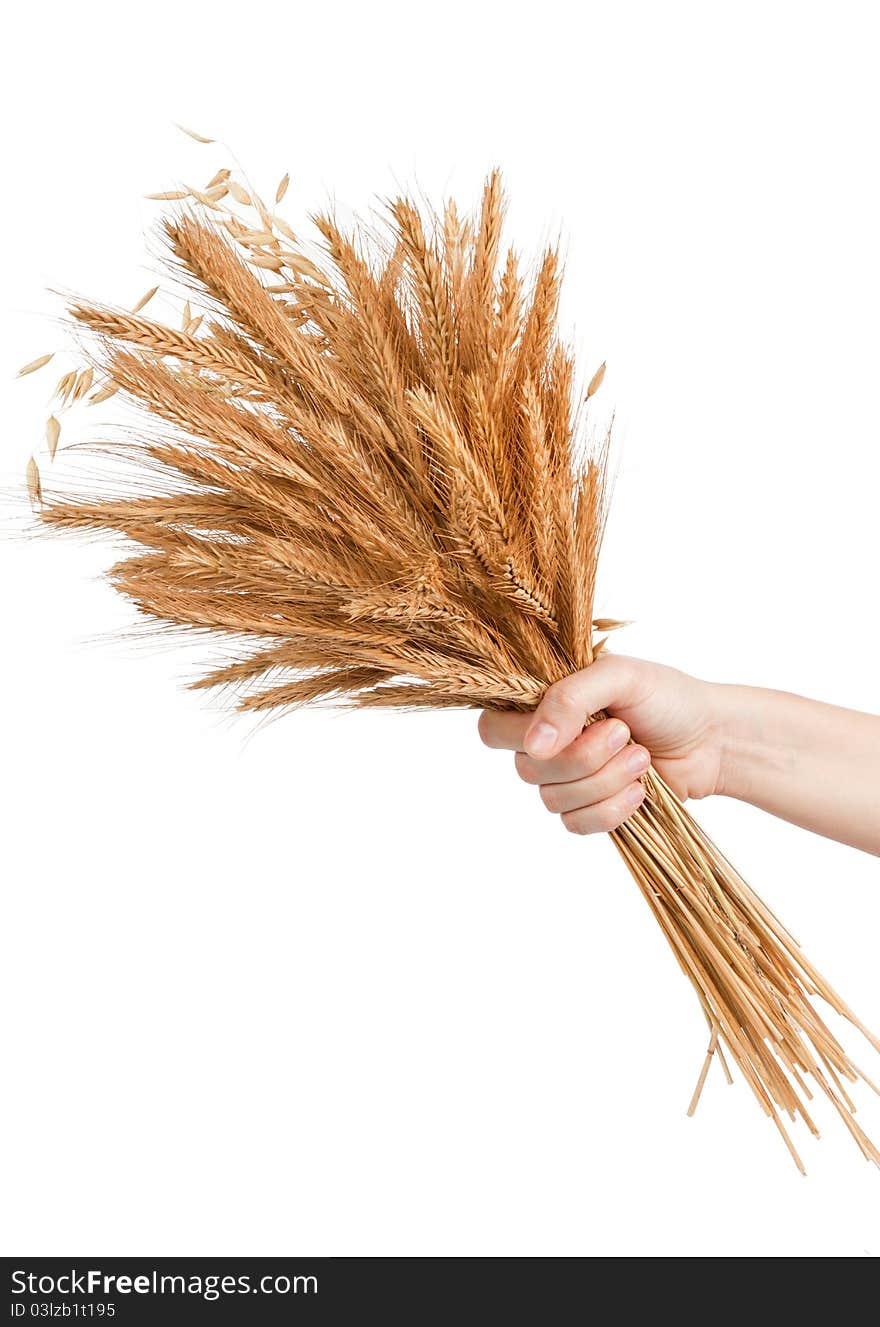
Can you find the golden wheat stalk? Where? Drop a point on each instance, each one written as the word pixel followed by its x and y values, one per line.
pixel 362 470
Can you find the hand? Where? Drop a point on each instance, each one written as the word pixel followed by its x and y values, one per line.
pixel 592 776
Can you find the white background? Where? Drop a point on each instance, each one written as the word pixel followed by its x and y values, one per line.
pixel 341 985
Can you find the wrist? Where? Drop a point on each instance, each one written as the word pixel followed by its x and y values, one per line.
pixel 747 741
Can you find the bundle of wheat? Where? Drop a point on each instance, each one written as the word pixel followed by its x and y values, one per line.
pixel 363 474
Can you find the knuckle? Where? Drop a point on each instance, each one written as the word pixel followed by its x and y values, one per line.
pixel 609 817
pixel 484 728
pixel 592 751
pixel 587 757
pixel 620 665
pixel 574 823
pixel 561 694
pixel 525 767
pixel 550 796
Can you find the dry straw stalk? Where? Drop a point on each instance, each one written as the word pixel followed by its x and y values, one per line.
pixel 361 470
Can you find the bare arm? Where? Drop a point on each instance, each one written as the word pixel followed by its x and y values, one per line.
pixel 815 765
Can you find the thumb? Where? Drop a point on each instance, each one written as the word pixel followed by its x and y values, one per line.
pixel 568 704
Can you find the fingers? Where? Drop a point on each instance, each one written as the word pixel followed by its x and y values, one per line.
pixel 587 754
pixel 504 730
pixel 606 815
pixel 607 783
pixel 590 776
pixel 568 704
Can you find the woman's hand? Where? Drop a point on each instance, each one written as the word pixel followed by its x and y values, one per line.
pixel 592 776
pixel 813 764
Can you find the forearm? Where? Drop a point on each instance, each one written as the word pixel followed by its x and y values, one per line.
pixel 815 765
